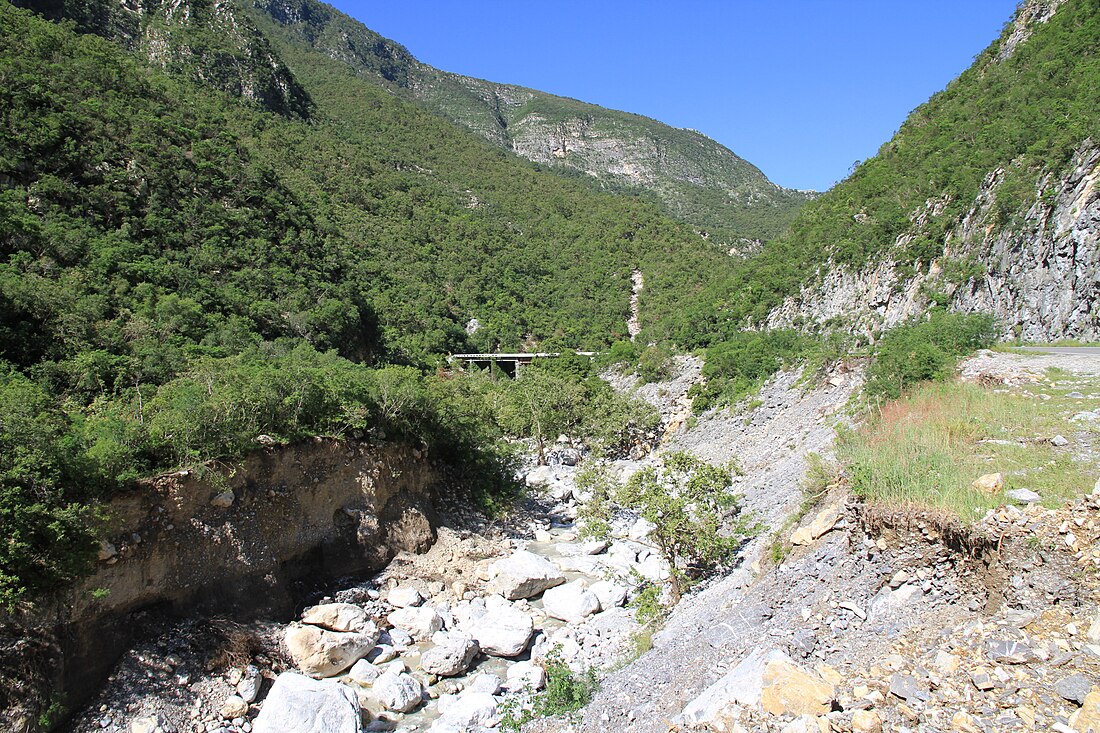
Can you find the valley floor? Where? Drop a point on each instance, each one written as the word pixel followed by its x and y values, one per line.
pixel 841 615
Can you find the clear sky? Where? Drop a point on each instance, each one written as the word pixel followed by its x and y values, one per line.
pixel 801 88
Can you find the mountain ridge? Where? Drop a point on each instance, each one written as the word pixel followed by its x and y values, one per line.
pixel 694 178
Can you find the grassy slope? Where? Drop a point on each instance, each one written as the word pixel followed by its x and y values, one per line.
pixel 927 448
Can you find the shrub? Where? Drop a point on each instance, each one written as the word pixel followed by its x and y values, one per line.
pixel 925 351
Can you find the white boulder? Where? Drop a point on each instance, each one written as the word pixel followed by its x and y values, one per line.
pixel 398 692
pixel 420 623
pixel 297 704
pixel 340 617
pixel 452 654
pixel 572 602
pixel 610 594
pixel 523 575
pixel 322 653
pixel 404 596
pixel 503 631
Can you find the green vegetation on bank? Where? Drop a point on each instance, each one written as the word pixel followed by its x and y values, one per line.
pixel 927 448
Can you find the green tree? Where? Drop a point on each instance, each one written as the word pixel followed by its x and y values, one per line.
pixel 698 520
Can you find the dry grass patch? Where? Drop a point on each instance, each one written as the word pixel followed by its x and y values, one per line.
pixel 928 447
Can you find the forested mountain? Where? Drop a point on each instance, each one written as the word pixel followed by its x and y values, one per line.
pixel 694 179
pixel 984 201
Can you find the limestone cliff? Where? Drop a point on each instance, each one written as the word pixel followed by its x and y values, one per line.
pixel 1038 274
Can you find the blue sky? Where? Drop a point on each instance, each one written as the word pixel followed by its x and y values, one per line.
pixel 801 88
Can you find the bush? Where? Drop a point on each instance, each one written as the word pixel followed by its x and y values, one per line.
pixel 925 350
pixel 740 364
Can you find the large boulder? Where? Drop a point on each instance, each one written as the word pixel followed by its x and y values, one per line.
pixel 503 631
pixel 420 622
pixel 572 602
pixel 404 596
pixel 789 690
pixel 398 691
pixel 340 617
pixel 523 575
pixel 610 594
pixel 742 685
pixel 322 653
pixel 297 704
pixel 469 711
pixel 452 654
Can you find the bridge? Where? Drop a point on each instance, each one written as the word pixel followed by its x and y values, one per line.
pixel 510 364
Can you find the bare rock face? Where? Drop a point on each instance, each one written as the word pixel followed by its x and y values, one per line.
pixel 1039 275
pixel 322 653
pixel 296 703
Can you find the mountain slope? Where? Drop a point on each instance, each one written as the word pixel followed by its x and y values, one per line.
pixel 694 178
pixel 984 200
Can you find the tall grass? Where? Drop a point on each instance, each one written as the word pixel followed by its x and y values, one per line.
pixel 927 448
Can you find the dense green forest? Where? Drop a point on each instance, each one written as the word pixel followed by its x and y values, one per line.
pixel 183 269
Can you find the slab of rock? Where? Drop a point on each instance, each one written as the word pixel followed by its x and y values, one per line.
pixel 248 688
pixel 1075 688
pixel 866 721
pixel 610 594
pixel 821 525
pixel 363 673
pixel 1010 652
pixel 1023 496
pixel 504 631
pixel 340 617
pixel 990 483
pixel 787 689
pixel 403 597
pixel 297 704
pixel 1059 440
pixel 322 653
pixel 420 623
pixel 233 707
pixel 742 685
pixel 470 710
pixel 1087 719
pixel 572 602
pixel 908 688
pixel 399 692
pixel 452 654
pixel 523 575
pixel 525 675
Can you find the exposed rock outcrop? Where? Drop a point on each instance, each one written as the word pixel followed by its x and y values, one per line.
pixel 1038 274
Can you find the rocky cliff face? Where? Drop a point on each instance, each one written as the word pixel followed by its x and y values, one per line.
pixel 1038 274
pixel 210 41
pixel 236 541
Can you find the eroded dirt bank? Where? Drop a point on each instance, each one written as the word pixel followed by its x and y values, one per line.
pixel 241 541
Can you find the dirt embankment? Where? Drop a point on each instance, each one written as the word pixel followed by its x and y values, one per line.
pixel 243 540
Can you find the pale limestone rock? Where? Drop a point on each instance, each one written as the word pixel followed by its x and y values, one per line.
pixel 572 602
pixel 503 631
pixel 523 575
pixel 322 653
pixel 340 617
pixel 990 483
pixel 788 690
pixel 420 623
pixel 398 692
pixel 296 704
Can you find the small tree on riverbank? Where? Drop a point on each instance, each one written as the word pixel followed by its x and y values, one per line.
pixel 697 519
